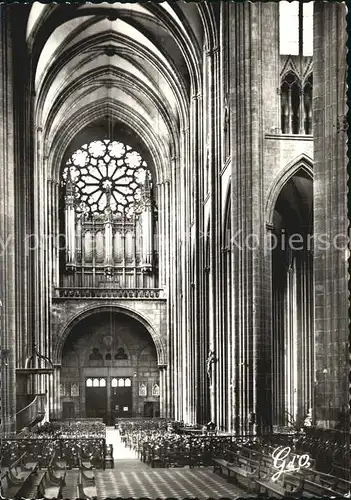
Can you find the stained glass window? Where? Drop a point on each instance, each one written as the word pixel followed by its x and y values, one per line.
pixel 106 171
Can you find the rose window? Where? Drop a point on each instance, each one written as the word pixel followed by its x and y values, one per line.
pixel 106 172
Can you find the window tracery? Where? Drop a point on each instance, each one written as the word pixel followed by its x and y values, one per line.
pixel 296 104
pixel 290 103
pixel 106 173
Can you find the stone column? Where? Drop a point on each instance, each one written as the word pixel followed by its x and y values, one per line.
pixel 174 290
pixel 56 407
pixel 250 332
pixel 163 390
pixel 330 213
pixel 7 230
pixel 195 244
pixel 168 290
pixel 183 266
pixel 213 162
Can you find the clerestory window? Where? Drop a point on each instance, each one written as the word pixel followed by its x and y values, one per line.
pixel 296 28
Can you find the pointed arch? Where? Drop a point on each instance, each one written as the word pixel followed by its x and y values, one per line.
pixel 88 311
pixel 303 162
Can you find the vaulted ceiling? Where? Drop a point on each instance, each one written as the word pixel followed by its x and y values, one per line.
pixel 137 63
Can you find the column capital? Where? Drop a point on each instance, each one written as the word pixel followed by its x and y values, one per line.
pixel 53 181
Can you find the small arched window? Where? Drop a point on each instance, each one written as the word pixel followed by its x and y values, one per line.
pixel 89 382
pixel 108 356
pixel 290 91
pixel 307 101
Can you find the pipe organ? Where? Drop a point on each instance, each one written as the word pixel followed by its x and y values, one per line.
pixel 109 247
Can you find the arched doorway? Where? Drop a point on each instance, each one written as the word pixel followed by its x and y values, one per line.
pixel 109 369
pixel 292 294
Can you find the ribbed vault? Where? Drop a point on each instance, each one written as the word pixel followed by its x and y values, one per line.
pixel 140 63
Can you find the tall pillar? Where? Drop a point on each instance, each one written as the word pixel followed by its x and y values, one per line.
pixel 250 332
pixel 183 240
pixel 195 242
pixel 213 163
pixel 330 213
pixel 163 391
pixel 7 231
pixel 175 304
pixel 56 409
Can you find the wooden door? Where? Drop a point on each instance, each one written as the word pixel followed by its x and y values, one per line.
pixel 96 398
pixel 121 397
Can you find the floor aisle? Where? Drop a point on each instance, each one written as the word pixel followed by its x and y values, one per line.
pixel 132 478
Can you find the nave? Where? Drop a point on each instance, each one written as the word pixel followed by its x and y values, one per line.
pixel 126 475
pixel 131 477
pixel 174 249
pixel 159 459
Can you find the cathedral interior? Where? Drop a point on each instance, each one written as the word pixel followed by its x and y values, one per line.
pixel 174 246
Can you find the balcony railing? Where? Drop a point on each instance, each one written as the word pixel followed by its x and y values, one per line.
pixel 34 412
pixel 106 293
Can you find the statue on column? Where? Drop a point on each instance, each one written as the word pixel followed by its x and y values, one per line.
pixel 211 359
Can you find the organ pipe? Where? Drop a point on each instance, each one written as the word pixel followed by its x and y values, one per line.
pixel 146 227
pixel 70 219
pixel 108 234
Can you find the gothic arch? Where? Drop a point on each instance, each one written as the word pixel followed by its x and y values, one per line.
pixel 301 162
pixel 89 310
pixel 84 118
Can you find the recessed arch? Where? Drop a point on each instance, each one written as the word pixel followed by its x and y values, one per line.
pixel 113 80
pixel 112 308
pixel 98 110
pixel 303 162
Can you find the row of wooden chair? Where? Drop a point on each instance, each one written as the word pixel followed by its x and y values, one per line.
pixel 16 477
pixel 257 472
pixel 86 486
pixel 25 479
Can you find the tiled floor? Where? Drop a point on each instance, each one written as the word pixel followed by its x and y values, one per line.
pixel 164 483
pixel 133 478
